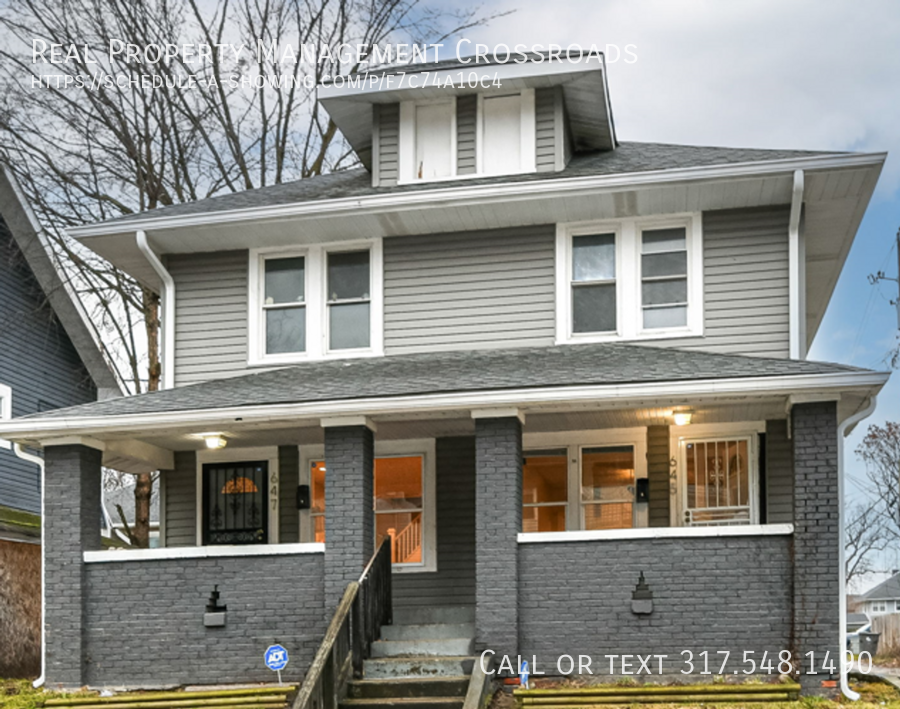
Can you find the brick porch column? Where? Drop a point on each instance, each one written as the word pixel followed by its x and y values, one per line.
pixel 349 496
pixel 816 542
pixel 498 521
pixel 71 522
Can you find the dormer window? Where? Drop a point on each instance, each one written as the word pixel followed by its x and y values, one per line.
pixel 435 142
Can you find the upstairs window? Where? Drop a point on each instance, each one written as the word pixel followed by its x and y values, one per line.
pixel 321 301
pixel 664 282
pixel 594 283
pixel 629 280
pixel 284 305
pixel 501 134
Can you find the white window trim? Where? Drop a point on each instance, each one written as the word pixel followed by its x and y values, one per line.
pixel 237 455
pixel 679 435
pixel 406 148
pixel 629 314
pixel 424 447
pixel 575 442
pixel 406 143
pixel 5 411
pixel 315 269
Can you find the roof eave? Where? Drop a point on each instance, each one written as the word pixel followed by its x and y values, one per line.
pixel 826 386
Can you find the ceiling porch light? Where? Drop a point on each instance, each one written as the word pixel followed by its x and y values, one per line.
pixel 682 418
pixel 213 441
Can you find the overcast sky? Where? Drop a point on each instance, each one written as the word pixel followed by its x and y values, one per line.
pixel 818 75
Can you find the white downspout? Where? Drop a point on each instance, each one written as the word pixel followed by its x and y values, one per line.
pixel 795 269
pixel 168 310
pixel 842 613
pixel 38 461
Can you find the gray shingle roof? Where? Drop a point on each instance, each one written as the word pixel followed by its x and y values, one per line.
pixel 627 158
pixel 888 590
pixel 449 372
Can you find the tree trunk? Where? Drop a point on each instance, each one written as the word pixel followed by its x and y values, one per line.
pixel 143 488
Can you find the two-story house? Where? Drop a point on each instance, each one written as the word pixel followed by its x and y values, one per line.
pixel 542 361
pixel 49 358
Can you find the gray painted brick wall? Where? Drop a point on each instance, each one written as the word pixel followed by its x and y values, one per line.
pixel 349 518
pixel 816 539
pixel 145 619
pixel 726 593
pixel 71 526
pixel 498 520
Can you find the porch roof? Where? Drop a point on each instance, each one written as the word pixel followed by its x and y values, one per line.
pixel 451 373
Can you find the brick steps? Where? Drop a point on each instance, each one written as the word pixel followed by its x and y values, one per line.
pixel 255 698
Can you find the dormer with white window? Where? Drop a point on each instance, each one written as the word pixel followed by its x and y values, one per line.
pixel 461 121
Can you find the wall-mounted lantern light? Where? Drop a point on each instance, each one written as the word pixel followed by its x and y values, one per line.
pixel 215 613
pixel 642 597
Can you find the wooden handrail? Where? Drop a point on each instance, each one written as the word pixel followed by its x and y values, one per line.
pixel 365 606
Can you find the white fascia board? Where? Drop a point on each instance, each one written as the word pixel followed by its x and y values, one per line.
pixel 638 394
pixel 484 194
pixel 413 76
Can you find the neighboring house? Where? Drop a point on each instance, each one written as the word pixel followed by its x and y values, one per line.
pixel 883 599
pixel 48 359
pixel 557 361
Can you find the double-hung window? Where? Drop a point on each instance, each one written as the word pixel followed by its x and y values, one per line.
pixel 594 283
pixel 664 280
pixel 284 305
pixel 349 300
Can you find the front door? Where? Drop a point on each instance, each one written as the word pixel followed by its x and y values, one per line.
pixel 235 509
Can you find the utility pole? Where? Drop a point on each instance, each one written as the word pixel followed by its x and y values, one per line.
pixel 880 276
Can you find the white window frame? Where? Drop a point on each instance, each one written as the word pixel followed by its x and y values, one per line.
pixel 316 275
pixel 680 435
pixel 406 147
pixel 574 442
pixel 239 455
pixel 629 313
pixel 424 447
pixel 5 411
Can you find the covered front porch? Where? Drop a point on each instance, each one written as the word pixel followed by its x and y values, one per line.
pixel 551 511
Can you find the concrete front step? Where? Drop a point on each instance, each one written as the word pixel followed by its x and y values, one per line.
pixel 427 615
pixel 428 631
pixel 405 702
pixel 414 667
pixel 429 647
pixel 408 688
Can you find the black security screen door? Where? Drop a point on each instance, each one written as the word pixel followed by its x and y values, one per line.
pixel 235 509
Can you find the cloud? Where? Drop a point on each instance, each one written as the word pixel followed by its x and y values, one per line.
pixel 761 73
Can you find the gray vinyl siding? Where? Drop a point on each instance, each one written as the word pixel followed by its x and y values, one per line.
pixel 745 283
pixel 469 290
pixel 658 475
pixel 387 118
pixel 180 501
pixel 288 479
pixel 466 131
pixel 779 474
pixel 210 315
pixel 454 581
pixel 37 361
pixel 545 127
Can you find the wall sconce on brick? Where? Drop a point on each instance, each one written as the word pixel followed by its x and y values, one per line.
pixel 215 614
pixel 642 598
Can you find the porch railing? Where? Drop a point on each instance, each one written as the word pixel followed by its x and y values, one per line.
pixel 356 624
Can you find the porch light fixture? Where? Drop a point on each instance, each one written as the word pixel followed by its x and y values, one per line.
pixel 214 441
pixel 682 418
